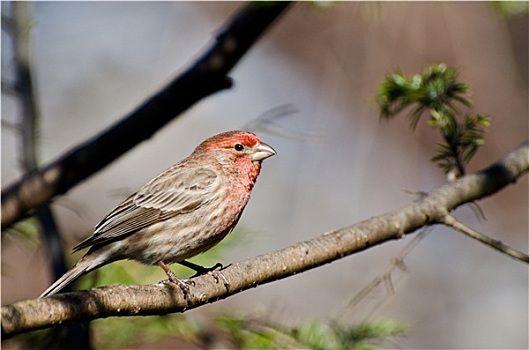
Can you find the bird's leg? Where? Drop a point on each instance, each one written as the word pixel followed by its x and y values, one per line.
pixel 173 278
pixel 213 271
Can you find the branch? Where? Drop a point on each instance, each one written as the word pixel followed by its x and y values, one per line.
pixel 159 299
pixel 449 220
pixel 207 76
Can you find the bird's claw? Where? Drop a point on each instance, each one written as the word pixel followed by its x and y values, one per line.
pixel 212 271
pixel 200 270
pixel 182 284
pixel 219 276
pixel 215 272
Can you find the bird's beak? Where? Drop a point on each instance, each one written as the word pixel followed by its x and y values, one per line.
pixel 261 151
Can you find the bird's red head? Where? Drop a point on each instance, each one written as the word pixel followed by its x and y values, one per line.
pixel 230 138
pixel 239 144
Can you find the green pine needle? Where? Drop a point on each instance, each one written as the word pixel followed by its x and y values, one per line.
pixel 260 334
pixel 436 91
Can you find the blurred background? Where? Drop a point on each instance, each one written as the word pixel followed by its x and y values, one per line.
pixel 337 164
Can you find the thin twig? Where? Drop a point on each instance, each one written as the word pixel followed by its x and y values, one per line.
pixel 7 24
pixel 8 87
pixel 451 221
pixel 265 123
pixel 480 214
pixel 396 262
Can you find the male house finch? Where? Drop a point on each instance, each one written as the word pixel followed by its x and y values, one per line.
pixel 182 212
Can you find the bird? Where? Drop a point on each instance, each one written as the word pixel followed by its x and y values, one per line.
pixel 182 212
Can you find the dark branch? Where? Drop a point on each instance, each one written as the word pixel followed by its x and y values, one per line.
pixel 207 76
pixel 126 300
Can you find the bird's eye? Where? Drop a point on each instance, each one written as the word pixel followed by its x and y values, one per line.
pixel 238 147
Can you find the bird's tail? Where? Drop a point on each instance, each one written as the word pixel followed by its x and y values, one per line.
pixel 83 266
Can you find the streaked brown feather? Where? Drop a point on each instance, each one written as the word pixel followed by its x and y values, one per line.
pixel 182 190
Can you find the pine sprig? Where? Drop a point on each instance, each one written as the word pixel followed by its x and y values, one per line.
pixel 248 333
pixel 435 91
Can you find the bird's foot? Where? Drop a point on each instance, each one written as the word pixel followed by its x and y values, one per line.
pixel 219 276
pixel 212 271
pixel 182 284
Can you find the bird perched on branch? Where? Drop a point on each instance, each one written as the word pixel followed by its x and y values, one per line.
pixel 184 211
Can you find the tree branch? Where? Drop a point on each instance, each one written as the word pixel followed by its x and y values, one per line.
pixel 159 299
pixel 449 220
pixel 207 76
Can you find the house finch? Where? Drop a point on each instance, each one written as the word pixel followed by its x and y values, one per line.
pixel 182 212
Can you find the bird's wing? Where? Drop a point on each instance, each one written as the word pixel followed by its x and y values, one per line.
pixel 178 190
